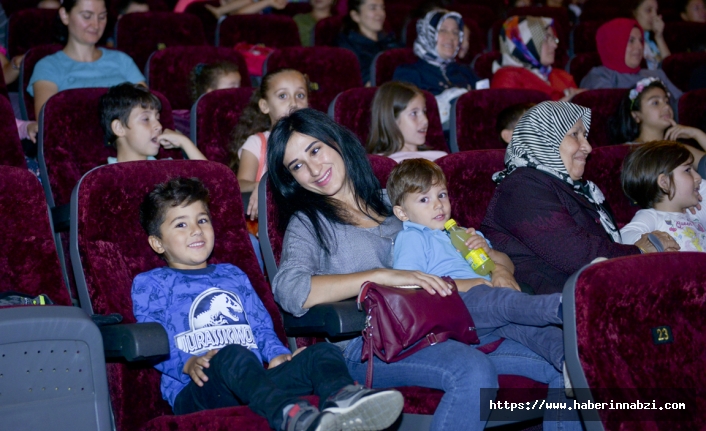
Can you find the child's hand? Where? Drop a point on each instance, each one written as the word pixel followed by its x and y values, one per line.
pixel 280 359
pixel 170 139
pixel 476 241
pixel 32 130
pixel 195 365
pixel 501 277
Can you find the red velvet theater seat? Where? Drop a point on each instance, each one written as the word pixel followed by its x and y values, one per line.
pixel 140 34
pixel 168 70
pixel 29 28
pixel 679 67
pixel 275 31
pixel 483 15
pixel 603 168
pixel 208 21
pixel 582 63
pixel 352 108
pixel 10 146
pixel 680 36
pixel 692 109
pixel 583 36
pixel 331 70
pixel 604 105
pixel 113 249
pixel 28 62
pixel 213 118
pixel 474 116
pixel 633 331
pixel 326 31
pixel 71 141
pixel 482 64
pixel 386 62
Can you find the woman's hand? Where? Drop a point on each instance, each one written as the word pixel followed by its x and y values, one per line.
pixel 684 132
pixel 502 277
pixel 398 277
pixel 195 365
pixel 646 246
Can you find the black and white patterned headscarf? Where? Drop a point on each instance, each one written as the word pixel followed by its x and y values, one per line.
pixel 535 144
pixel 428 35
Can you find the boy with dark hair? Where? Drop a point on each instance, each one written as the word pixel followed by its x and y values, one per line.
pixel 220 332
pixel 417 191
pixel 130 120
pixel 508 118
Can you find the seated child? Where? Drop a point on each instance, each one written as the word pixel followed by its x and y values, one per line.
pixel 661 178
pixel 130 119
pixel 508 118
pixel 218 361
pixel 417 191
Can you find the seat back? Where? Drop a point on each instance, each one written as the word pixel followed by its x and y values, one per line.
pixel 470 183
pixel 386 62
pixel 213 118
pixel 71 141
pixel 680 66
pixel 208 21
pixel 326 31
pixel 106 260
pixel 168 70
pixel 26 69
pixel 353 109
pixel 582 63
pixel 482 64
pixel 692 109
pixel 333 70
pixel 583 37
pixel 140 34
pixel 29 28
pixel 604 11
pixel 11 153
pixel 604 105
pixel 275 31
pixel 603 168
pixel 632 330
pixel 684 37
pixel 474 116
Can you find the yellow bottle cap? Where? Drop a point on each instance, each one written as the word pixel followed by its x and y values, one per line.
pixel 449 224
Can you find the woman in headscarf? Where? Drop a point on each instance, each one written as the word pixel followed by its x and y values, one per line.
pixel 564 222
pixel 528 45
pixel 439 36
pixel 620 45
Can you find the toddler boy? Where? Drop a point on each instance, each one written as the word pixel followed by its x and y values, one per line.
pixel 220 332
pixel 130 120
pixel 417 191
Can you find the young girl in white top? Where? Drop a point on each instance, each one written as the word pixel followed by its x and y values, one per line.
pixel 660 177
pixel 281 93
pixel 398 127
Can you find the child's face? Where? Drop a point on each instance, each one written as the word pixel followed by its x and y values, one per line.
pixel 139 138
pixel 686 189
pixel 695 11
pixel 286 94
pixel 187 237
pixel 655 110
pixel 431 208
pixel 225 81
pixel 413 123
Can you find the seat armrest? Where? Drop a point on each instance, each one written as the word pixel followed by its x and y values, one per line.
pixel 332 320
pixel 135 341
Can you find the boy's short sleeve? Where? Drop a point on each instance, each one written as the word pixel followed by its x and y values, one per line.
pixel 411 251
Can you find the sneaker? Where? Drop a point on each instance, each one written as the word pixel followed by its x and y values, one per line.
pixel 356 408
pixel 302 416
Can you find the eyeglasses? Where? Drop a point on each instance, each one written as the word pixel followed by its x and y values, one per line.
pixel 551 38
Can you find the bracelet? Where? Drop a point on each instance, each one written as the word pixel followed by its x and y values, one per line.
pixel 642 250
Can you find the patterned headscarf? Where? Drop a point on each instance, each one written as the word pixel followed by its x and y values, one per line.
pixel 428 36
pixel 535 144
pixel 521 42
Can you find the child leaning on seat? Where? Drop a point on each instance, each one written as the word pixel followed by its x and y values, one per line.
pixel 220 332
pixel 130 120
pixel 417 191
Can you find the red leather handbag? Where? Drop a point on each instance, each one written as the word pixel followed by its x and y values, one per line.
pixel 403 320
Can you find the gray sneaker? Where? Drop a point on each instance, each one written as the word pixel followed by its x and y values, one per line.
pixel 302 416
pixel 356 408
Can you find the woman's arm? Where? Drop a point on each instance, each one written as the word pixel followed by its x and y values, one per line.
pixel 43 90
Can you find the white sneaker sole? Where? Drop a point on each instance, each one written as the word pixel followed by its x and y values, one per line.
pixel 374 412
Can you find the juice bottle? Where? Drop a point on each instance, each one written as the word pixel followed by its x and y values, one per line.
pixel 478 259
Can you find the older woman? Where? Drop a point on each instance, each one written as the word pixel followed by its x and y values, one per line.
pixel 439 36
pixel 620 46
pixel 81 64
pixel 528 45
pixel 564 222
pixel 340 233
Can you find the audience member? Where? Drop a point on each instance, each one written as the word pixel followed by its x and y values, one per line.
pixel 655 48
pixel 620 46
pixel 661 178
pixel 508 118
pixel 692 10
pixel 306 22
pixel 528 46
pixel 363 33
pixel 281 92
pixel 564 222
pixel 229 371
pixel 132 6
pixel 398 125
pixel 575 8
pixel 81 64
pixel 244 7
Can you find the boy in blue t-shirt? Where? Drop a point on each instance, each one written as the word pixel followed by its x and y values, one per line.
pixel 417 191
pixel 220 332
